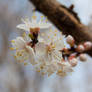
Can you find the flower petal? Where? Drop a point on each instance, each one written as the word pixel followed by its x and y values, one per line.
pixel 19 43
pixel 31 55
pixel 59 44
pixel 23 27
pixel 40 49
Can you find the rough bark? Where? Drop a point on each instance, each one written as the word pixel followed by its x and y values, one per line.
pixel 65 19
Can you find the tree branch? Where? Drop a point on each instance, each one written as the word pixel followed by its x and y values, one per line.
pixel 64 19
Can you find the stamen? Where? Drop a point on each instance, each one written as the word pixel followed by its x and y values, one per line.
pixel 24 34
pixel 50 30
pixel 59 71
pixel 15 56
pixel 43 34
pixel 46 20
pixel 48 36
pixel 56 31
pixel 25 63
pixel 38 71
pixel 13 41
pixel 54 34
pixel 42 18
pixel 12 48
pixel 34 17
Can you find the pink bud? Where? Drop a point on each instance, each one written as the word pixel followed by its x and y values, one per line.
pixel 72 56
pixel 83 57
pixel 87 45
pixel 73 62
pixel 70 40
pixel 80 48
pixel 65 49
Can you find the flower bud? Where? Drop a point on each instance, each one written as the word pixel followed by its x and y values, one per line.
pixel 65 49
pixel 87 45
pixel 73 62
pixel 83 57
pixel 80 48
pixel 70 40
pixel 72 56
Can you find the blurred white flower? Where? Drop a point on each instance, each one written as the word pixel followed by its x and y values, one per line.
pixel 64 68
pixel 23 51
pixel 49 55
pixel 42 48
pixel 18 43
pixel 52 37
pixel 33 24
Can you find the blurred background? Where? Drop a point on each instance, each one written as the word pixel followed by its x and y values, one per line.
pixel 15 77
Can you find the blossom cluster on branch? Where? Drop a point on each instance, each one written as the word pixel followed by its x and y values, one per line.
pixel 43 47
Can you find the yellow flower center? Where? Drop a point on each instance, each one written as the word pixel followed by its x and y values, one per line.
pixel 50 47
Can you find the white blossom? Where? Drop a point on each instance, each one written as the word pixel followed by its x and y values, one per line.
pixel 23 51
pixel 46 52
pixel 27 24
pixel 49 48
pixel 52 37
pixel 64 68
pixel 49 55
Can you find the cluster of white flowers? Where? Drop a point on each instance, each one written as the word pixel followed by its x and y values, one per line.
pixel 42 46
